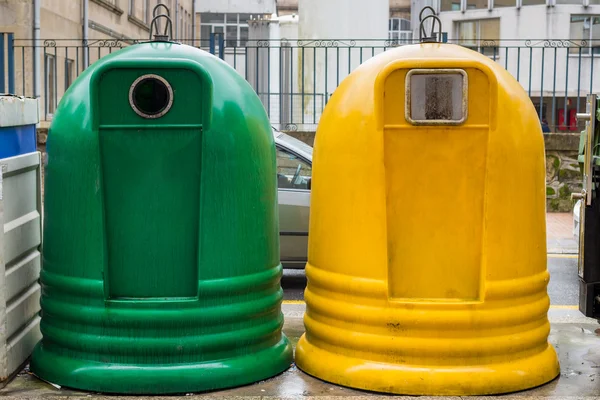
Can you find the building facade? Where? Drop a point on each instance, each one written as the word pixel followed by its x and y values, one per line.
pixel 70 35
pixel 398 8
pixel 230 17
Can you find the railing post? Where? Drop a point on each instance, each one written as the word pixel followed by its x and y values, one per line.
pixel 66 68
pixel 222 46
pixel 11 63
pixel 211 45
pixel 2 72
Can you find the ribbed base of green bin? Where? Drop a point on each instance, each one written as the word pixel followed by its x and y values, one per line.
pixel 160 379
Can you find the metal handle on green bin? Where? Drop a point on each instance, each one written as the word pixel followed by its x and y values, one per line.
pixel 164 36
pixel 155 9
pixel 168 26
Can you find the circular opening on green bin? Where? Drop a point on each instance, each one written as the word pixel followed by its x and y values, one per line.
pixel 151 96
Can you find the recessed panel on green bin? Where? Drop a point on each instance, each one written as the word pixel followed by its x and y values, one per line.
pixel 161 260
pixel 161 256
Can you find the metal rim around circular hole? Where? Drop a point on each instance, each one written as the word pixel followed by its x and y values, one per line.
pixel 141 113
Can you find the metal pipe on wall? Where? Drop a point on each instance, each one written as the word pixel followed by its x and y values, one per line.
pixel 193 22
pixel 177 33
pixel 86 32
pixel 37 76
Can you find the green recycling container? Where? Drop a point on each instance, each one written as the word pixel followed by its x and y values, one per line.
pixel 161 269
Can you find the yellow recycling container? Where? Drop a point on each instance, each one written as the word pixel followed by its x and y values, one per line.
pixel 427 248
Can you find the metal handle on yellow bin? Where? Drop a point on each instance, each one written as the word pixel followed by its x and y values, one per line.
pixel 431 37
pixel 579 196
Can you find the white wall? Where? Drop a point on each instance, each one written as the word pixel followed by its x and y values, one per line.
pixel 272 69
pixel 236 6
pixel 326 62
pixel 286 80
pixel 343 19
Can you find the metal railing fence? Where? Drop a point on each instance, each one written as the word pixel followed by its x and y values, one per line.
pixel 296 78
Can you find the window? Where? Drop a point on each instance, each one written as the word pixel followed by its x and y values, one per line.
pixel 140 9
pixel 477 4
pixel 585 29
pixel 504 3
pixel 186 30
pixel 146 11
pixel 450 5
pixel 69 70
pixel 232 35
pixel 205 31
pixel 580 2
pixel 233 26
pixel 532 2
pixel 474 34
pixel 292 171
pixel 180 26
pixel 50 75
pixel 399 31
pixel 212 18
pixel 244 18
pixel 243 36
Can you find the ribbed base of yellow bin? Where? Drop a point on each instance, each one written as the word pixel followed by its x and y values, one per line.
pixel 485 379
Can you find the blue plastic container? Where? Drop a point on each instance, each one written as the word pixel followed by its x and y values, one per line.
pixel 18 119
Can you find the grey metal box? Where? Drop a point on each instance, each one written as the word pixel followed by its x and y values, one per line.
pixel 20 260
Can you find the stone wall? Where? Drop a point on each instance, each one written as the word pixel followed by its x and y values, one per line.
pixel 563 175
pixel 562 170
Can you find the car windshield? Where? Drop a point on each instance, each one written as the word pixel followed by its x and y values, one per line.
pixel 295 143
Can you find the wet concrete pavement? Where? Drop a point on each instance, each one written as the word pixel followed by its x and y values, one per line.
pixel 293 284
pixel 576 339
pixel 560 233
pixel 564 282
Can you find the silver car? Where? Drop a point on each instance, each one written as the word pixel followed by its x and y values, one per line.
pixel 294 173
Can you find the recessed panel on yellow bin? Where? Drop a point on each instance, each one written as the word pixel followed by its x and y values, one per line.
pixel 427 248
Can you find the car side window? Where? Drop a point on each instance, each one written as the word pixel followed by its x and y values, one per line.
pixel 292 171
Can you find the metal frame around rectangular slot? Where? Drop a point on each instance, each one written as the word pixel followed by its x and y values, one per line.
pixel 433 122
